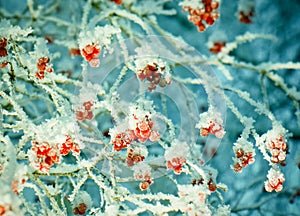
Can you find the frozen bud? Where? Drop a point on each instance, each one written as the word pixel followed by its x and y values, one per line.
pixel 176 156
pixel 275 181
pixel 244 152
pixel 122 140
pixel 95 62
pixel 153 71
pixel 81 203
pixel 142 171
pixel 90 52
pixel 276 144
pixel 246 11
pixel 211 122
pixel 202 13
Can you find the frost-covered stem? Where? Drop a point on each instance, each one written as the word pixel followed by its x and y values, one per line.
pixel 143 207
pixel 159 196
pixel 22 142
pixel 86 11
pixel 91 140
pixel 57 99
pixel 8 174
pixel 27 206
pixel 259 107
pixel 53 8
pixel 84 73
pixel 188 80
pixel 50 197
pixel 18 109
pixel 31 9
pixel 134 18
pixel 101 185
pixel 264 90
pixel 77 187
pixel 247 37
pixel 39 195
pixel 265 69
pixel 297 113
pixel 234 109
pixel 57 21
pixel 121 41
pixel 1 121
pixel 118 81
pixel 64 80
pixel 170 125
pixel 63 93
pixel 197 169
pixel 70 173
pixel 292 93
pixel 99 17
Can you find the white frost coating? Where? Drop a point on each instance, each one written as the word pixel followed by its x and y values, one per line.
pixel 82 197
pixel 99 35
pixel 141 170
pixel 9 31
pixel 192 200
pixel 247 146
pixel 10 202
pixel 179 149
pixel 207 117
pixel 191 3
pixel 275 180
pixel 246 5
pixel 54 130
pixel 223 210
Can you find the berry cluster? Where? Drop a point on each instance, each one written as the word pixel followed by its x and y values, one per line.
pixel 133 157
pixel 144 185
pixel 246 17
pixel 15 184
pixel 193 199
pixel 212 187
pixel 46 155
pixel 211 123
pixel 74 52
pixel 144 130
pixel 214 128
pixel 246 11
pixel 117 1
pixel 278 149
pixel 80 209
pixel 154 75
pixel 176 164
pixel 142 172
pixel 91 54
pixel 3 210
pixel 141 130
pixel 275 181
pixel 68 146
pixel 203 13
pixel 244 158
pixel 122 140
pixel 42 67
pixel 176 156
pixel 217 47
pixel 85 112
pixel 146 180
pixel 3 51
pixel 3 43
